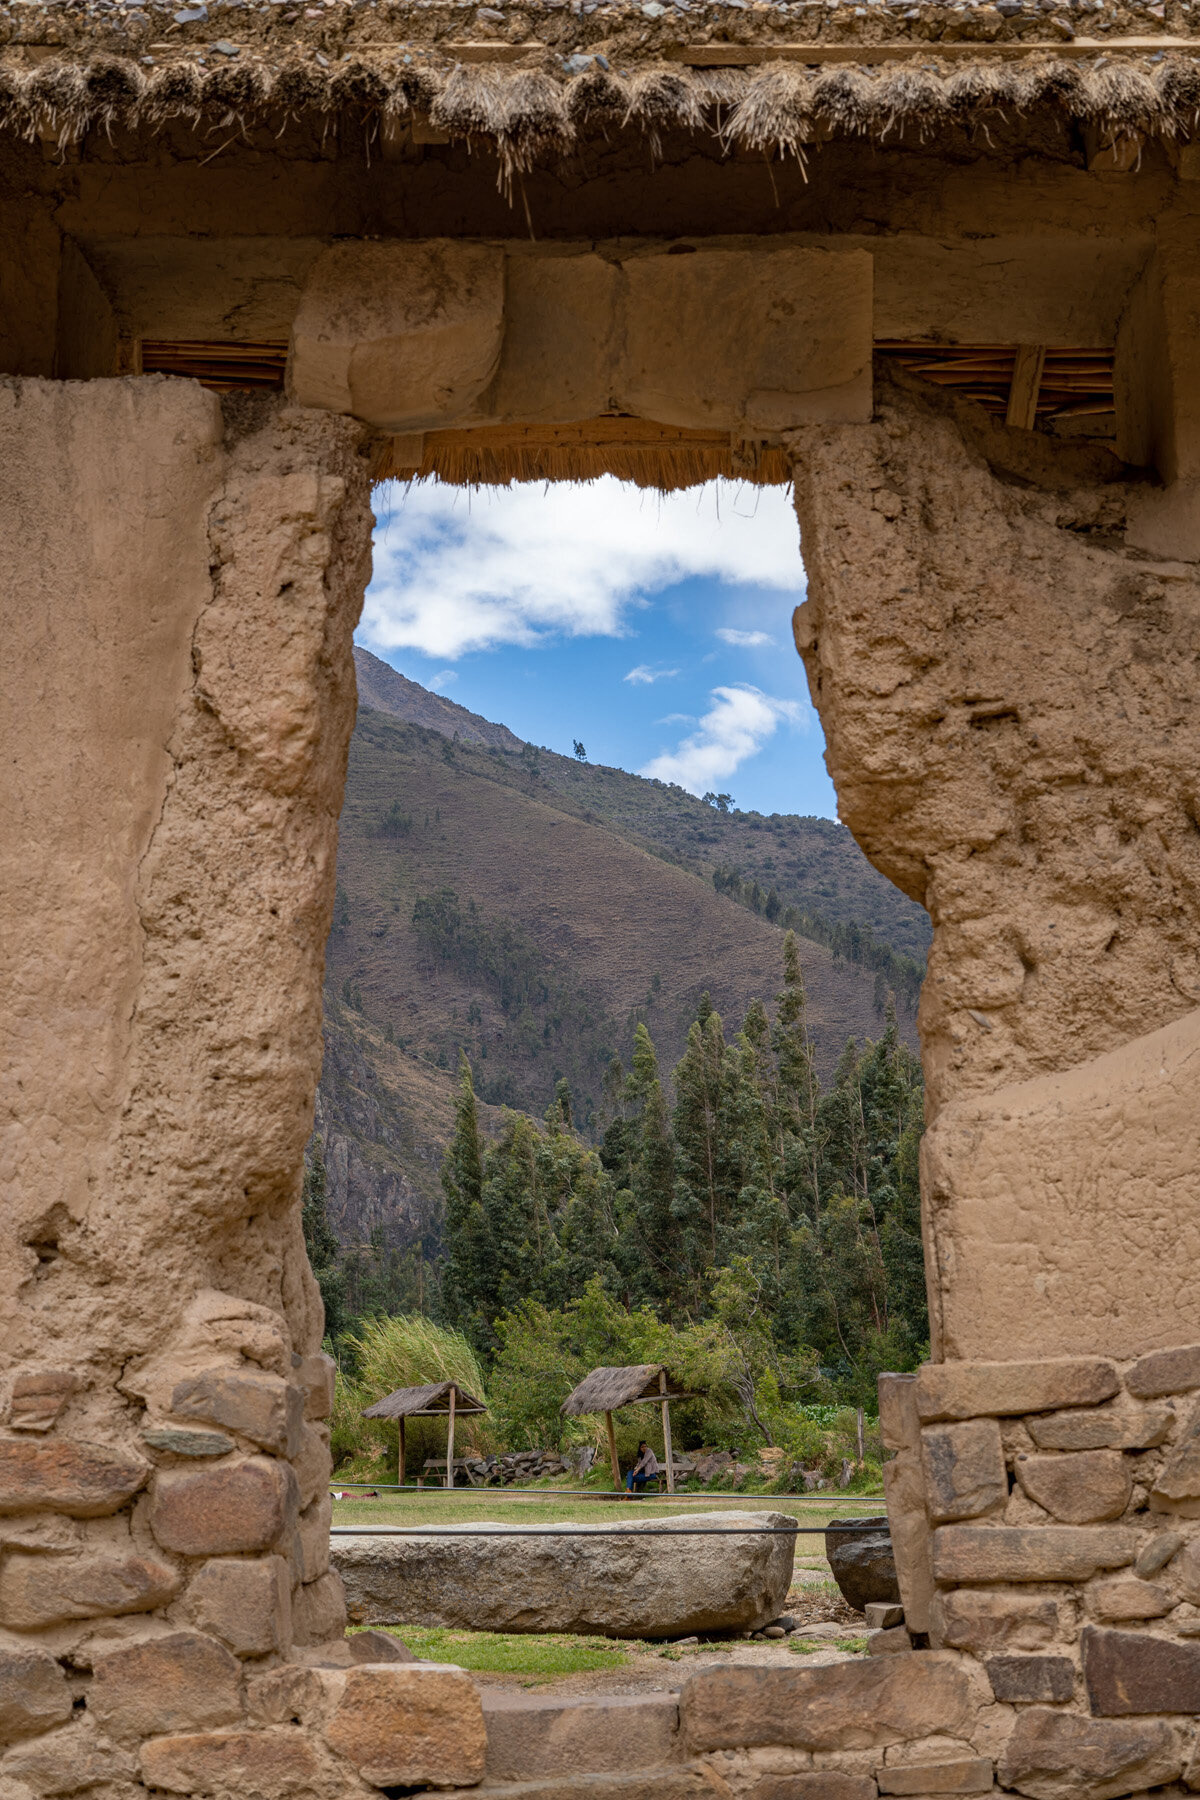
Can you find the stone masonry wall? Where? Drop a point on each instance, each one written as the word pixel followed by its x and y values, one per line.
pixel 179 592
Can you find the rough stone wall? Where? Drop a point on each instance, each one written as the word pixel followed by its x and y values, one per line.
pixel 179 594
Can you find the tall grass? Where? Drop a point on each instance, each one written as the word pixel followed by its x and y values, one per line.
pixel 390 1353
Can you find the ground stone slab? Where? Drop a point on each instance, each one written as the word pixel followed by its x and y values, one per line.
pixel 637 1584
pixel 1061 1756
pixel 1132 1672
pixel 842 1706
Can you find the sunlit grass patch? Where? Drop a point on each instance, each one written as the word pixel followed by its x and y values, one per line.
pixel 855 1644
pixel 541 1654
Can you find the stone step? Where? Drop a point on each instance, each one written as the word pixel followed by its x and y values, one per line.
pixel 680 1781
pixel 533 1737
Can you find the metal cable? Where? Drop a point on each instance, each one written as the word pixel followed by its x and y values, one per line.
pixel 475 1493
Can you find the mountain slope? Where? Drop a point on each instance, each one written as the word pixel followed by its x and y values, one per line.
pixel 384 689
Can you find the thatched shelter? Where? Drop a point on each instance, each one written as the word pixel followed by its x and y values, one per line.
pixel 604 1390
pixel 434 1400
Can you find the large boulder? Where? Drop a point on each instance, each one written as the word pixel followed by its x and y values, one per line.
pixel 861 1558
pixel 632 1581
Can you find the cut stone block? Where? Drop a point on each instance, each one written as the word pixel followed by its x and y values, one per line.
pixel 1165 1372
pixel 738 340
pixel 844 1706
pixel 1078 1487
pixel 892 1642
pixel 188 1443
pixel 312 1464
pixel 1124 1597
pixel 1022 1678
pixel 1178 1485
pixel 682 1782
pixel 405 336
pixel 1157 1552
pixel 71 1760
pixel 33 1694
pixel 1062 1756
pixel 1029 1552
pixel 1133 1672
pixel 980 1620
pixel 180 1682
pixel 222 1511
pixel 1185 1570
pixel 407 1727
pixel 259 1406
pixel 880 1615
pixel 561 337
pixel 535 1735
pixel 964 1469
pixel 316 1374
pixel 899 1421
pixel 1106 1428
pixel 38 1589
pixel 311 1544
pixel 270 1764
pixel 912 1541
pixel 969 1390
pixel 37 1397
pixel 248 1605
pixel 319 1610
pixel 378 1647
pixel 814 1784
pixel 87 1481
pixel 968 1775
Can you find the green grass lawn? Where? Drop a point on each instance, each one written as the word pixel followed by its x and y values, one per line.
pixel 538 1655
pixel 526 1507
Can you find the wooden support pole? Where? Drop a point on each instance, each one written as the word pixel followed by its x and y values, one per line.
pixel 450 1442
pixel 400 1421
pixel 666 1425
pixel 1026 384
pixel 614 1465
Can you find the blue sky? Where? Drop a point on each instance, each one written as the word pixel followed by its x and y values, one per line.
pixel 655 630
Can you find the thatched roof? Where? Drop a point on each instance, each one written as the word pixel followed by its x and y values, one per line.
pixel 604 1390
pixel 430 1401
pixel 541 78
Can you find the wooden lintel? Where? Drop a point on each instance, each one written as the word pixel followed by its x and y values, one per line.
pixel 1028 364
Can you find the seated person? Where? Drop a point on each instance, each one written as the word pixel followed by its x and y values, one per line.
pixel 645 1466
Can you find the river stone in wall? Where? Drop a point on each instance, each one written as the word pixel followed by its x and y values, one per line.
pixel 639 1583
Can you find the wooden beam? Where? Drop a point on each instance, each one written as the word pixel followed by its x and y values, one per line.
pixel 450 1443
pixel 743 56
pixel 666 1425
pixel 1028 364
pixel 613 1464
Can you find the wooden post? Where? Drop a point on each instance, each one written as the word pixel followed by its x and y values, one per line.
pixel 666 1424
pixel 450 1442
pixel 862 1440
pixel 1026 383
pixel 612 1452
pixel 400 1422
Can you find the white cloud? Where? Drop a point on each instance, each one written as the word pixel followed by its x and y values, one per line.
pixel 442 679
pixel 645 676
pixel 457 570
pixel 735 727
pixel 744 640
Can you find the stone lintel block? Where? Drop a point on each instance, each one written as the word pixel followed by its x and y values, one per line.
pixel 1078 1487
pixel 406 1726
pixel 246 1603
pixel 984 1619
pixel 846 1706
pixel 1125 1597
pixel 814 1784
pixel 405 336
pixel 1029 1552
pixel 87 1481
pixel 535 1735
pixel 271 1764
pixel 1165 1372
pixel 967 1775
pixel 43 1588
pixel 184 1681
pixel 1049 1679
pixel 1102 1428
pixel 964 1469
pixel 899 1421
pixel 319 1610
pixel 969 1390
pixel 315 1374
pixel 33 1693
pixel 1054 1755
pixel 223 1511
pixel 1135 1672
pixel 36 1397
pixel 256 1405
pixel 174 1441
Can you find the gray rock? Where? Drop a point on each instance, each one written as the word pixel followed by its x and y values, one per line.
pixel 636 1584
pixel 860 1556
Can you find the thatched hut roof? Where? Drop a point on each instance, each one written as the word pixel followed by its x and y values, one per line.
pixel 534 78
pixel 430 1401
pixel 604 1390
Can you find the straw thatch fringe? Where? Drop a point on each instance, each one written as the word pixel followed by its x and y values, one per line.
pixel 457 460
pixel 529 114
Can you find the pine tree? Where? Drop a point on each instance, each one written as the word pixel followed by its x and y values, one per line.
pixel 321 1242
pixel 462 1183
pixel 653 1182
